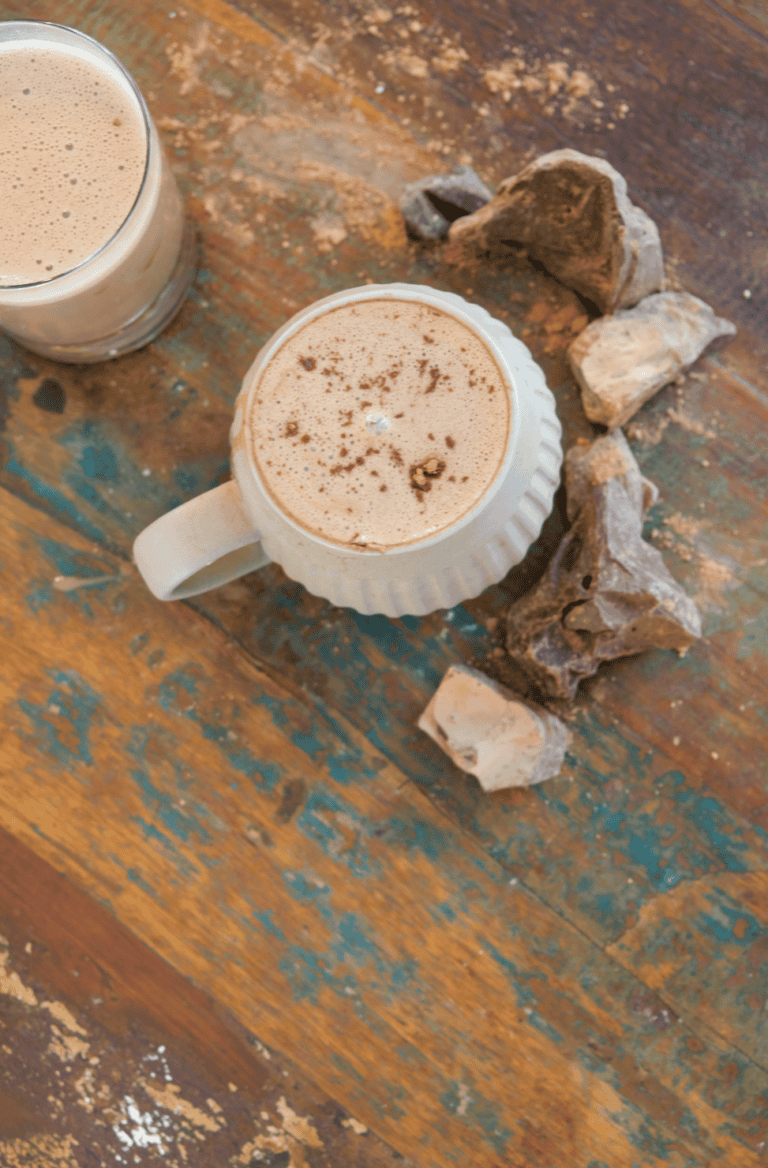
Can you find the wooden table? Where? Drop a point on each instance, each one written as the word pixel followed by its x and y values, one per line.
pixel 223 835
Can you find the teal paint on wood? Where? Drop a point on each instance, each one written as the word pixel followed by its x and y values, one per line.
pixel 182 825
pixel 31 486
pixel 265 919
pixel 463 1101
pixel 63 723
pixel 185 868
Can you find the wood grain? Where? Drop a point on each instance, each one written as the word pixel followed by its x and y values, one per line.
pixel 239 780
pixel 251 845
pixel 119 1052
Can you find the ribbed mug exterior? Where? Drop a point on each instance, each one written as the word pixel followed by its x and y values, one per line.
pixel 458 562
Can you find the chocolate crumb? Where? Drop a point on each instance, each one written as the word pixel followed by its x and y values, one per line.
pixel 449 442
pixel 308 362
pixel 451 478
pixel 465 479
pixel 371 450
pixel 306 438
pixel 343 452
pixel 291 429
pixel 429 340
pixel 421 473
pixel 396 456
pixel 365 405
pixel 383 487
pixel 431 437
pixel 400 415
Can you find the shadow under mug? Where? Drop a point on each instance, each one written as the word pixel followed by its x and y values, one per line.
pixel 238 527
pixel 124 295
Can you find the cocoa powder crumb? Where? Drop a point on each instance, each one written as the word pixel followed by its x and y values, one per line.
pixel 291 429
pixel 421 473
pixel 449 442
pixel 308 362
pixel 306 438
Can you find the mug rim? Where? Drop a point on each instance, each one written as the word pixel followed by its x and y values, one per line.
pixel 393 291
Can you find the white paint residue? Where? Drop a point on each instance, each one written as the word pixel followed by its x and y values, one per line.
pixel 160 1057
pixel 170 1098
pixel 142 1128
pixel 63 1015
pixel 298 1126
pixel 354 1125
pixel 11 984
pixel 66 1046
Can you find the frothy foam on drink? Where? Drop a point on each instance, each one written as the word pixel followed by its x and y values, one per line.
pixel 379 423
pixel 73 148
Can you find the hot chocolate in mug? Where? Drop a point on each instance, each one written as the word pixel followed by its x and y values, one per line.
pixel 394 448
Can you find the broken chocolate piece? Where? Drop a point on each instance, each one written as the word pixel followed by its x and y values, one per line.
pixel 572 213
pixel 620 361
pixel 432 204
pixel 606 592
pixel 492 733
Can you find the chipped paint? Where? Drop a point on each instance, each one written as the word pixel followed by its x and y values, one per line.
pixel 11 984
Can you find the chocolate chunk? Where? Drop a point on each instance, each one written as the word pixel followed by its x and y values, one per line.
pixel 606 592
pixel 432 204
pixel 422 472
pixel 572 214
pixel 492 733
pixel 621 361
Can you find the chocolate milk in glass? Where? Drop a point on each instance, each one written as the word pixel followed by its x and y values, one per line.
pixel 92 222
pixel 380 423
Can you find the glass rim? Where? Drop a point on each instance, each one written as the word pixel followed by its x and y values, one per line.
pixel 104 51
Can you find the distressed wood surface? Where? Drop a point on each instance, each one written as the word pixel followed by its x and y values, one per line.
pixel 136 1058
pixel 276 859
pixel 574 974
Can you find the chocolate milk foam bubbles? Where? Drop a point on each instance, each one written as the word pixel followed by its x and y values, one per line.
pixel 394 448
pixel 94 256
pixel 379 423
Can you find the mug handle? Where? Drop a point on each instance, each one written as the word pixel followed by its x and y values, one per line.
pixel 205 542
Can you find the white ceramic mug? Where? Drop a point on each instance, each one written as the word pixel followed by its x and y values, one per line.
pixel 238 527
